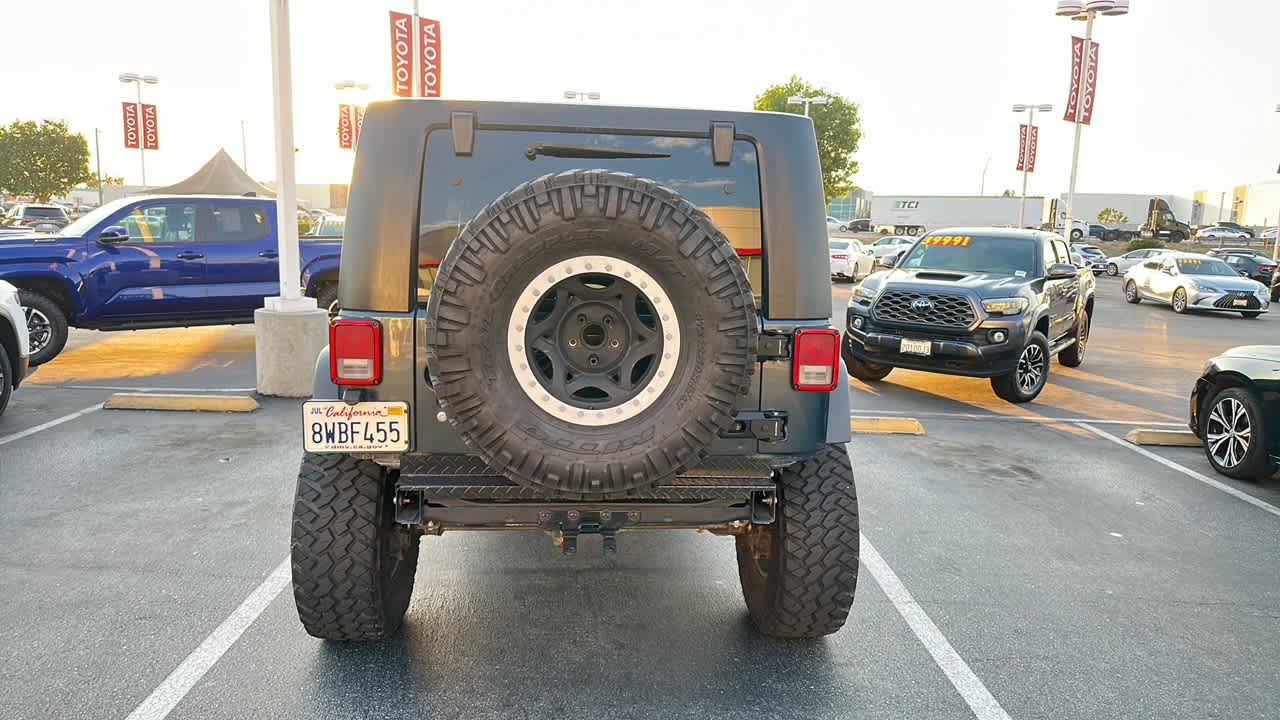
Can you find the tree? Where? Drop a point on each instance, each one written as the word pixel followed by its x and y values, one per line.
pixel 1008 193
pixel 112 180
pixel 1112 216
pixel 836 125
pixel 42 160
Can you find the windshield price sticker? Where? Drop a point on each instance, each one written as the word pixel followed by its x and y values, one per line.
pixel 947 240
pixel 1189 261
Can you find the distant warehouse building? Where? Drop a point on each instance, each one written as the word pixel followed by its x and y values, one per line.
pixel 1256 204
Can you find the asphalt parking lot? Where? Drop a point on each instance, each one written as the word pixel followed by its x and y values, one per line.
pixel 1019 561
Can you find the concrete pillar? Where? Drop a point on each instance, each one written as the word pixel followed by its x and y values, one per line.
pixel 288 340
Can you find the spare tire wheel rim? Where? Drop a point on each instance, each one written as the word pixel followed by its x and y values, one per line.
pixel 593 340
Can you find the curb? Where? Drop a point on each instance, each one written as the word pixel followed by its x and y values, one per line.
pixel 886 426
pixel 181 403
pixel 1173 438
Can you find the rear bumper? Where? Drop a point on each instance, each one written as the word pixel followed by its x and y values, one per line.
pixel 972 354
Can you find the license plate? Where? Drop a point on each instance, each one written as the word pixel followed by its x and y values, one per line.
pixel 334 426
pixel 915 347
pixel 1240 303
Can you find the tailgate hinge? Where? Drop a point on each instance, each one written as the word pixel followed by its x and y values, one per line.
pixel 763 425
pixel 771 346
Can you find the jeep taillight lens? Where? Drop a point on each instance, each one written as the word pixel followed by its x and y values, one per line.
pixel 355 352
pixel 815 359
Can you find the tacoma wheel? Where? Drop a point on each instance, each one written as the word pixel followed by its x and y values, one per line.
pixel 46 326
pixel 1074 355
pixel 353 566
pixel 1029 375
pixel 1235 436
pixel 620 311
pixel 799 573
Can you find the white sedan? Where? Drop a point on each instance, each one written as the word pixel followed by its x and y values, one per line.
pixel 836 225
pixel 850 259
pixel 1188 281
pixel 1120 264
pixel 891 246
pixel 1222 233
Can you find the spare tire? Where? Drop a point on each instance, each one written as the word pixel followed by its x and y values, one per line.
pixel 590 332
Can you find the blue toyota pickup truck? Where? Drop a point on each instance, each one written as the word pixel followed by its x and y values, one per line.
pixel 156 261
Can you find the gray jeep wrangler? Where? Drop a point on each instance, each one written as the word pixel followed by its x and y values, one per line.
pixel 579 320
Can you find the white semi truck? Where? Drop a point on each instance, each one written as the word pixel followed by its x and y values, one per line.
pixel 916 214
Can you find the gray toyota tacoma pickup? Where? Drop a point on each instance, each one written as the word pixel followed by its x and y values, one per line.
pixel 579 320
pixel 983 302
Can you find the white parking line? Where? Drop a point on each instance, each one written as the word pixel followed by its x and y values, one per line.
pixel 128 388
pixel 1015 418
pixel 164 698
pixel 1215 484
pixel 975 694
pixel 45 426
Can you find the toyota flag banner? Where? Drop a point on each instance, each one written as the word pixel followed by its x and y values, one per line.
pixel 150 128
pixel 1078 75
pixel 401 55
pixel 346 134
pixel 1027 147
pixel 428 57
pixel 132 134
pixel 358 112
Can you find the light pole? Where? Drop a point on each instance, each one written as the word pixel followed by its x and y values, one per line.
pixel 97 157
pixel 1026 156
pixel 1275 244
pixel 244 150
pixel 1086 11
pixel 137 80
pixel 582 96
pixel 807 101
pixel 982 184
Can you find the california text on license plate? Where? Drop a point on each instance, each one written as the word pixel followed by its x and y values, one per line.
pixel 334 426
pixel 1240 303
pixel 916 347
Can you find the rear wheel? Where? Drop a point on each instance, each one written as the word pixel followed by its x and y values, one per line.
pixel 327 297
pixel 6 379
pixel 353 565
pixel 1074 355
pixel 1112 270
pixel 1179 301
pixel 799 573
pixel 1029 374
pixel 46 326
pixel 1077 234
pixel 1235 436
pixel 1131 293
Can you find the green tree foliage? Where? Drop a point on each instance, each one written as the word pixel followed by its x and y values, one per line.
pixel 42 160
pixel 1008 193
pixel 836 125
pixel 1143 243
pixel 1112 216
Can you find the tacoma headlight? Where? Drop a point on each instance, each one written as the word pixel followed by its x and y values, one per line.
pixel 864 292
pixel 1004 306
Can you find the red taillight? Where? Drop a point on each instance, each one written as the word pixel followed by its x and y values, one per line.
pixel 839 257
pixel 355 352
pixel 815 359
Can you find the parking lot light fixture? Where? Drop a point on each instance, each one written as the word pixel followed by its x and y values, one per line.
pixel 137 81
pixel 582 95
pixel 807 101
pixel 1068 8
pixel 1031 111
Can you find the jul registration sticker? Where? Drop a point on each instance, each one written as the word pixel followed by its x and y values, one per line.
pixel 335 426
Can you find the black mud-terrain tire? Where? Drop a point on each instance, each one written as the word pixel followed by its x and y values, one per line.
pixel 57 325
pixel 513 245
pixel 353 565
pixel 326 296
pixel 6 378
pixel 1074 355
pixel 1008 387
pixel 799 573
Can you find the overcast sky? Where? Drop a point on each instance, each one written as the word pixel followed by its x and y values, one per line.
pixel 1186 98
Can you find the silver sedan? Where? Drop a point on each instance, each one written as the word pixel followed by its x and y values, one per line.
pixel 1188 281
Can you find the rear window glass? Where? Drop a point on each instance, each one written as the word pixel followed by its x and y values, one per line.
pixel 45 212
pixel 838 245
pixel 456 188
pixel 973 253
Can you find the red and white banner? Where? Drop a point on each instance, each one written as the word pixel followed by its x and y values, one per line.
pixel 132 133
pixel 1090 81
pixel 401 54
pixel 428 57
pixel 1027 148
pixel 358 112
pixel 346 133
pixel 150 128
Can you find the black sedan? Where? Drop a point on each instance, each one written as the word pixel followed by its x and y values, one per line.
pixel 1254 266
pixel 1235 410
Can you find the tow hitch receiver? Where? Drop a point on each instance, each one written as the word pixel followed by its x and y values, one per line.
pixel 564 527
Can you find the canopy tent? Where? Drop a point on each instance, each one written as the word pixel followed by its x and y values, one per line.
pixel 220 176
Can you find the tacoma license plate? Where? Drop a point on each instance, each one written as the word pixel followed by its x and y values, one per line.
pixel 1240 303
pixel 915 347
pixel 334 426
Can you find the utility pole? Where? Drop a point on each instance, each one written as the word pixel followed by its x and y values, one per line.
pixel 97 156
pixel 244 151
pixel 982 184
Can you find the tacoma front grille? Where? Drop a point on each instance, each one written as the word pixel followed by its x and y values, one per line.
pixel 900 306
pixel 1227 301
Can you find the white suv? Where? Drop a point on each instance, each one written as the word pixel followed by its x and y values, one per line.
pixel 13 343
